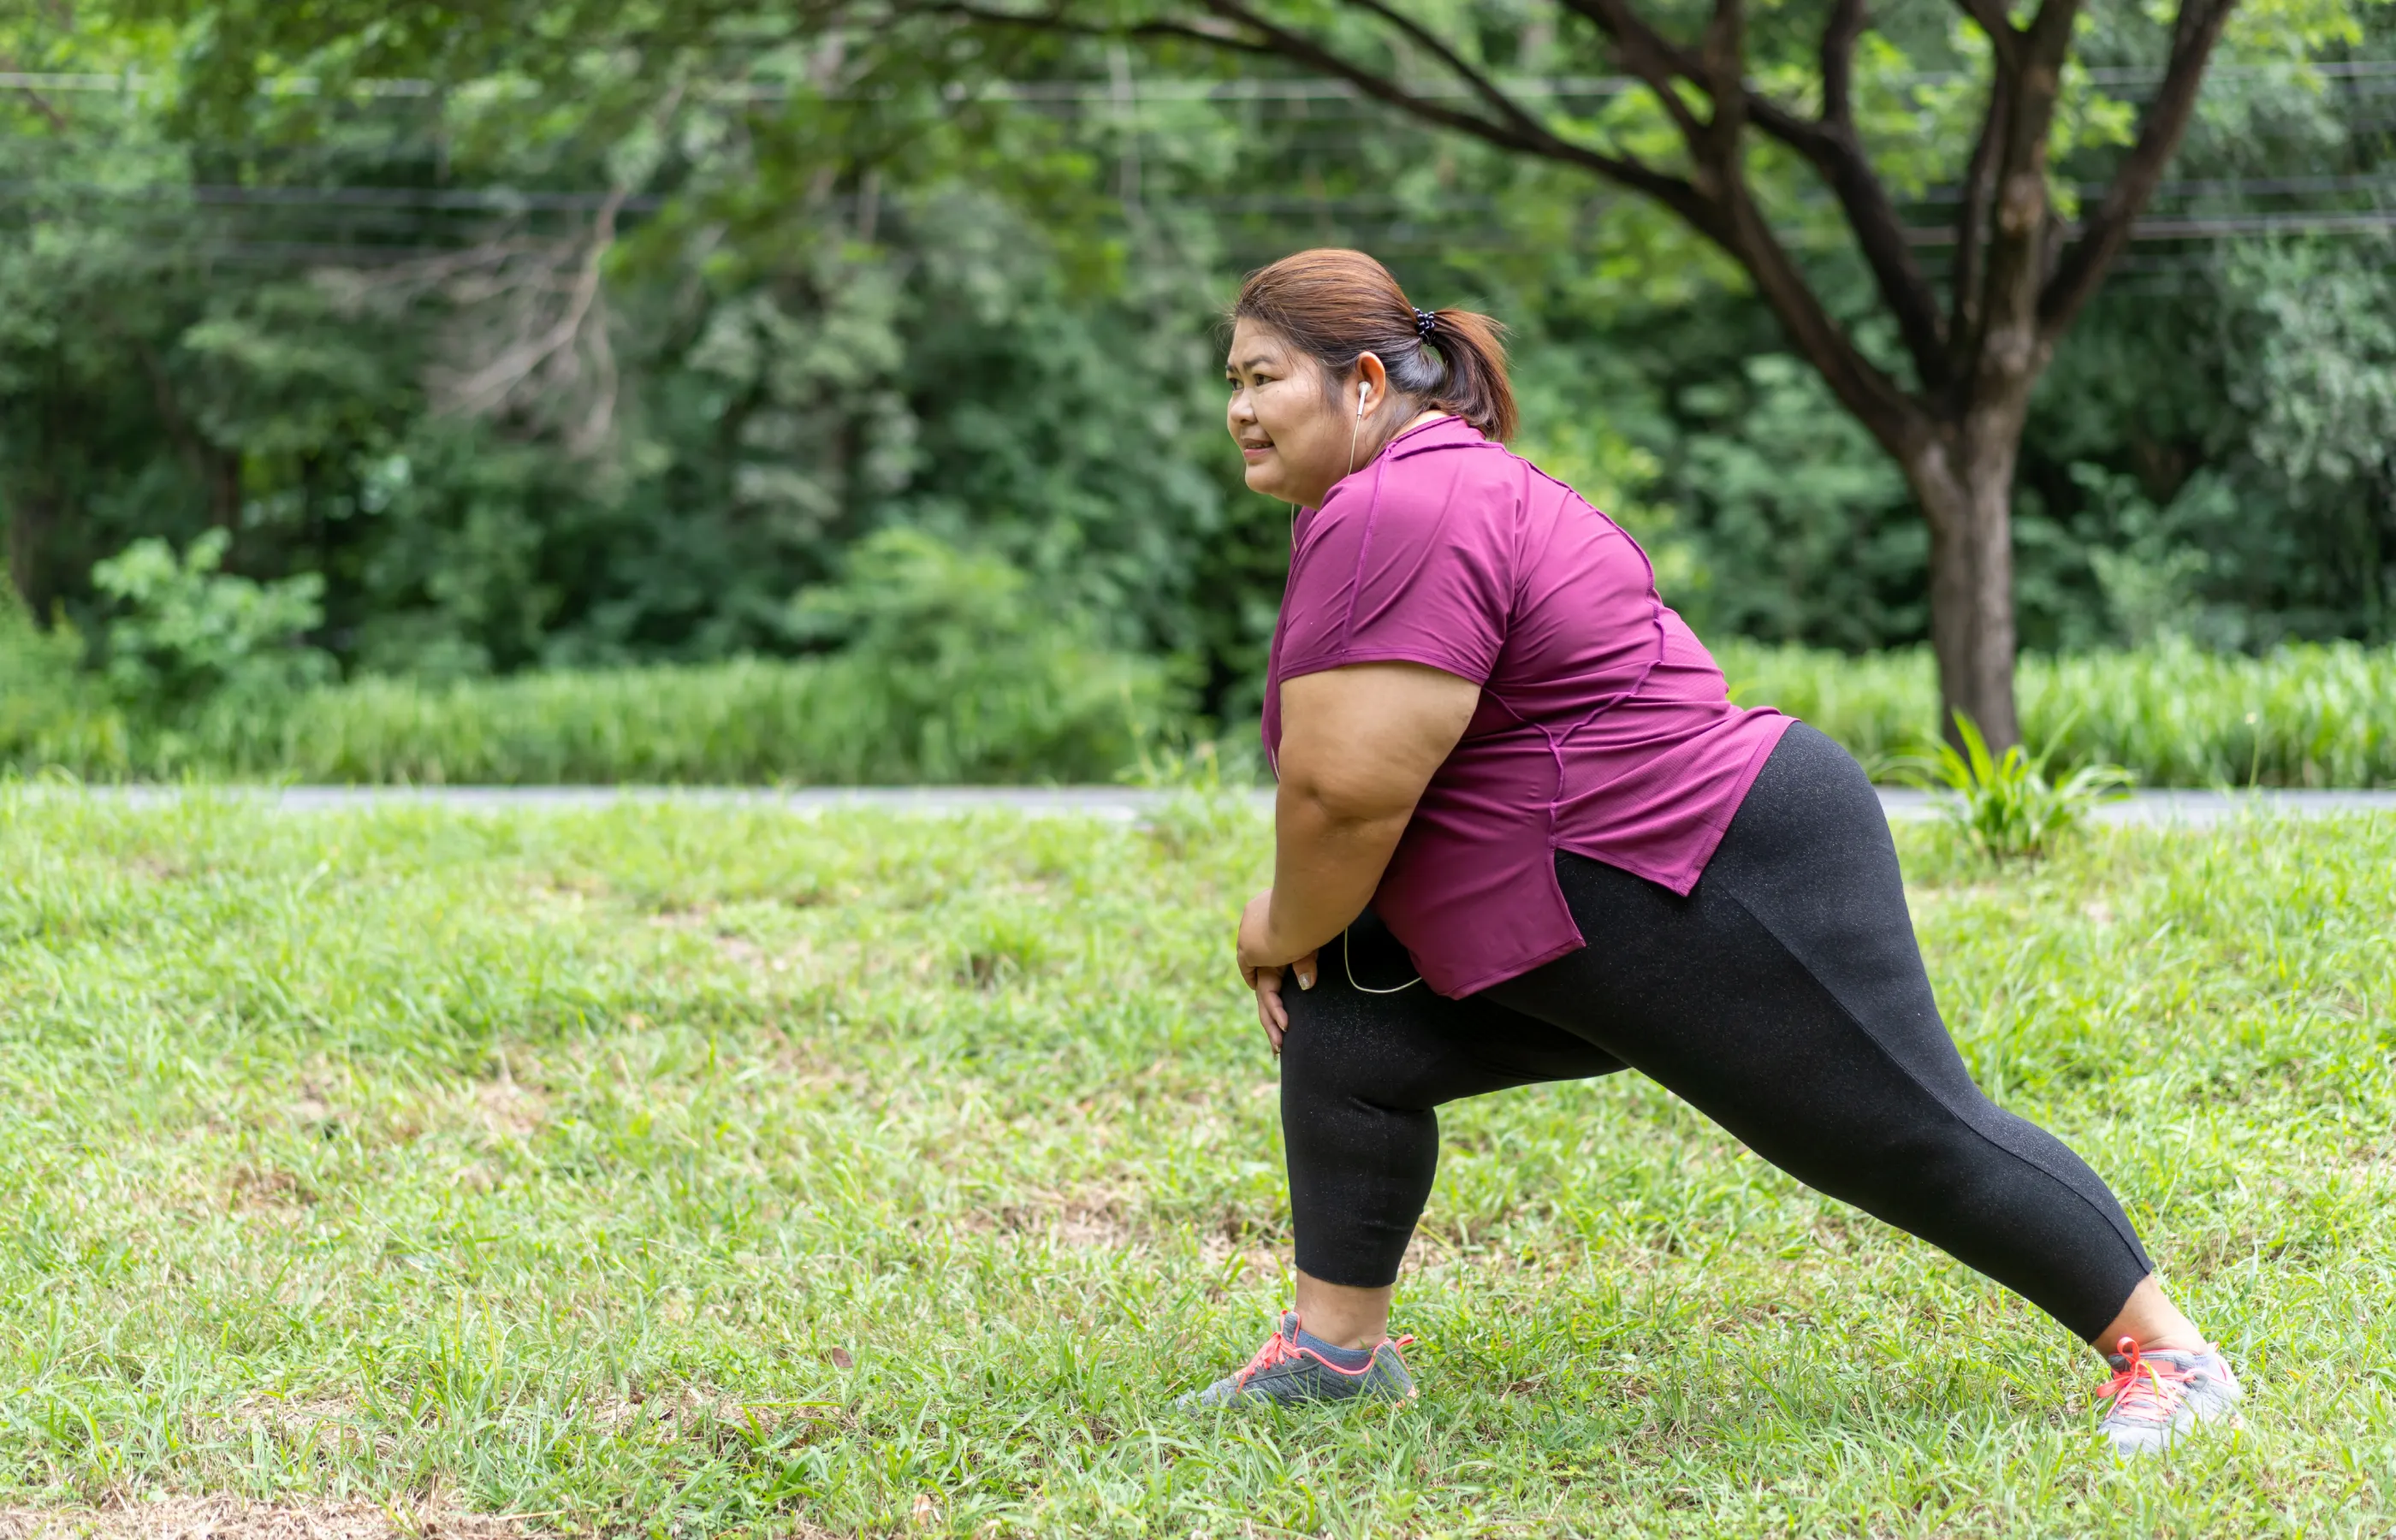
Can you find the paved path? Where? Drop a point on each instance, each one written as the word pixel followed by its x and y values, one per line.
pixel 1118 804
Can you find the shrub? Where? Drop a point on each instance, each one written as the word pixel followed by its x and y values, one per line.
pixel 947 672
pixel 52 713
pixel 189 637
pixel 2005 803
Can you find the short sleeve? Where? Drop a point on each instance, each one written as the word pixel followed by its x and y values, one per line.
pixel 1417 573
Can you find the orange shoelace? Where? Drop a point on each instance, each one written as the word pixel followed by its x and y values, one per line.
pixel 1280 1349
pixel 2144 1388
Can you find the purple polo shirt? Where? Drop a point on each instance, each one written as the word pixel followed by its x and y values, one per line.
pixel 1604 728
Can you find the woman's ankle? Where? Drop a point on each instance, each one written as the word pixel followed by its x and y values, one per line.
pixel 2154 1322
pixel 1343 1316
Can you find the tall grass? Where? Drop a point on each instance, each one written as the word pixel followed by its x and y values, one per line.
pixel 822 722
pixel 1058 710
pixel 825 722
pixel 2306 716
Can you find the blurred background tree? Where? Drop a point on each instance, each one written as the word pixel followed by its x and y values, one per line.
pixel 551 333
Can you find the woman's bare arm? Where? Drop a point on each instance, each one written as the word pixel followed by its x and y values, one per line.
pixel 1358 745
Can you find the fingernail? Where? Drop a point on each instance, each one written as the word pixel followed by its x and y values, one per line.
pixel 1306 981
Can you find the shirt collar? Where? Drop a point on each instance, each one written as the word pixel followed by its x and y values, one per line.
pixel 1449 432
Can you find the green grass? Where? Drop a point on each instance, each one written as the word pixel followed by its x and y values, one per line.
pixel 676 1171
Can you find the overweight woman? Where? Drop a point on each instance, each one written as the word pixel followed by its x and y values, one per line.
pixel 1521 835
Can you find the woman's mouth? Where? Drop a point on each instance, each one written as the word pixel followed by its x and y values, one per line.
pixel 1255 452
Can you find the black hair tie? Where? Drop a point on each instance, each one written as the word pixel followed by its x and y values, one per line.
pixel 1425 323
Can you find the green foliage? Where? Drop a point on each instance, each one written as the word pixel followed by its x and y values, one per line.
pixel 912 604
pixel 350 324
pixel 949 669
pixel 1809 534
pixel 189 636
pixel 676 1169
pixel 2299 715
pixel 52 711
pixel 2006 804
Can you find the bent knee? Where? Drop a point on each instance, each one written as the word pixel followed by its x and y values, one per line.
pixel 1338 1068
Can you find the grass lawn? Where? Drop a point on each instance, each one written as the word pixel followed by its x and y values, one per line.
pixel 681 1170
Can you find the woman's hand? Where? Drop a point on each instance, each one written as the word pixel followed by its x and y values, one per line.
pixel 1262 967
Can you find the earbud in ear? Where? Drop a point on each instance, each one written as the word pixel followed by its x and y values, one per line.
pixel 1362 387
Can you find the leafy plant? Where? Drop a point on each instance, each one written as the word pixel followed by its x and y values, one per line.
pixel 191 635
pixel 51 714
pixel 973 674
pixel 2006 804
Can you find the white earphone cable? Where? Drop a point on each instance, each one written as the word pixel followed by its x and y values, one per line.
pixel 1349 968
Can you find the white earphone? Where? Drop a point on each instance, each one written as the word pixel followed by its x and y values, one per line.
pixel 1363 388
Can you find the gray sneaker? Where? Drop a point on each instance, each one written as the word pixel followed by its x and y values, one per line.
pixel 1289 1369
pixel 2156 1396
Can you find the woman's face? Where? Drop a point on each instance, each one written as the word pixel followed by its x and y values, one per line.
pixel 1295 438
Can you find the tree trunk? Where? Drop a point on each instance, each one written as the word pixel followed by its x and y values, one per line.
pixel 1964 483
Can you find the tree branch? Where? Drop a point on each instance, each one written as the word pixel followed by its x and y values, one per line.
pixel 1724 212
pixel 1835 149
pixel 1059 23
pixel 1481 86
pixel 1659 63
pixel 2002 350
pixel 1529 138
pixel 1663 65
pixel 1724 56
pixel 1846 24
pixel 2194 32
pixel 1878 402
pixel 1972 222
pixel 2003 37
pixel 39 102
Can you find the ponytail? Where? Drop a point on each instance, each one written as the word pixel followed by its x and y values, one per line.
pixel 1476 388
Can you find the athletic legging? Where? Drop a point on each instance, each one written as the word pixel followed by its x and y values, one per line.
pixel 1784 998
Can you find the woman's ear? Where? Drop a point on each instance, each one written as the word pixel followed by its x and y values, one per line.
pixel 1373 381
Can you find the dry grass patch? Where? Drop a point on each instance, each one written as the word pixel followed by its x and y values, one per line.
pixel 716 1419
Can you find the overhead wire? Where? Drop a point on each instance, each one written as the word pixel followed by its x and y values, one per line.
pixel 1110 91
pixel 362 208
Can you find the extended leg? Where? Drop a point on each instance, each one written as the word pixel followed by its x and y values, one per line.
pixel 1785 998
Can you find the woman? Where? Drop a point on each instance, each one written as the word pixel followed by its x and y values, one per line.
pixel 1522 835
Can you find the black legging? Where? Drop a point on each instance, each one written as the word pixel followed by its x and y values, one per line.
pixel 1784 998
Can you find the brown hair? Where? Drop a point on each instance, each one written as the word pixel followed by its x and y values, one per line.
pixel 1334 304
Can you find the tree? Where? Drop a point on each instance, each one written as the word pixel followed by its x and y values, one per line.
pixel 812 182
pixel 2022 271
